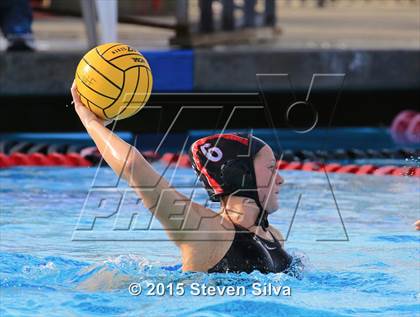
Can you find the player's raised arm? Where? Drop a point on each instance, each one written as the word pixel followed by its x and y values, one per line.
pixel 127 162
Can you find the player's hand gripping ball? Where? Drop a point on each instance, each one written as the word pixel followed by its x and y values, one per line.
pixel 114 81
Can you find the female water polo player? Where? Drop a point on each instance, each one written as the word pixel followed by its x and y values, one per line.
pixel 237 170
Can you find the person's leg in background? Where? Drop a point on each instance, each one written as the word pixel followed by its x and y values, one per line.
pixel 16 24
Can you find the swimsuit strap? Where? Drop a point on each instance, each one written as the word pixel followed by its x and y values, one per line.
pixel 262 219
pixel 274 238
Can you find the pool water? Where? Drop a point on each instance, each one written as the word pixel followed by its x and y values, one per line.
pixel 364 265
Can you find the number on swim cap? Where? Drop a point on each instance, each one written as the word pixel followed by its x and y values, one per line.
pixel 209 153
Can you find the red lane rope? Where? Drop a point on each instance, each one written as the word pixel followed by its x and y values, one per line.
pixel 332 167
pixel 20 159
pixel 366 169
pixel 183 161
pixel 39 159
pixel 5 161
pixel 76 159
pixel 348 169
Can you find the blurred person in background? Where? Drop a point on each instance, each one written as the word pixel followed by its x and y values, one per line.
pixel 16 24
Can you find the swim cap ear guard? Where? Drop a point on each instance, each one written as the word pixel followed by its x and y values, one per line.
pixel 237 175
pixel 225 173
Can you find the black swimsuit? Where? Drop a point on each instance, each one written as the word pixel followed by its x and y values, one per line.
pixel 249 252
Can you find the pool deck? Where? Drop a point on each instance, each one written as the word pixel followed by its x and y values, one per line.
pixel 375 45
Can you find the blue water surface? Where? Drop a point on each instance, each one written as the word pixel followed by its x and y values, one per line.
pixel 354 234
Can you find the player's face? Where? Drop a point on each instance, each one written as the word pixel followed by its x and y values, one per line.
pixel 268 179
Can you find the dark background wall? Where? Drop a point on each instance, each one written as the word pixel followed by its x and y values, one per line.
pixel 207 111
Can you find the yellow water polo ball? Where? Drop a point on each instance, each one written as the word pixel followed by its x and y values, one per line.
pixel 114 81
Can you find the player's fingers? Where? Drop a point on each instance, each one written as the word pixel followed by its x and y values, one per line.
pixel 75 95
pixel 73 89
